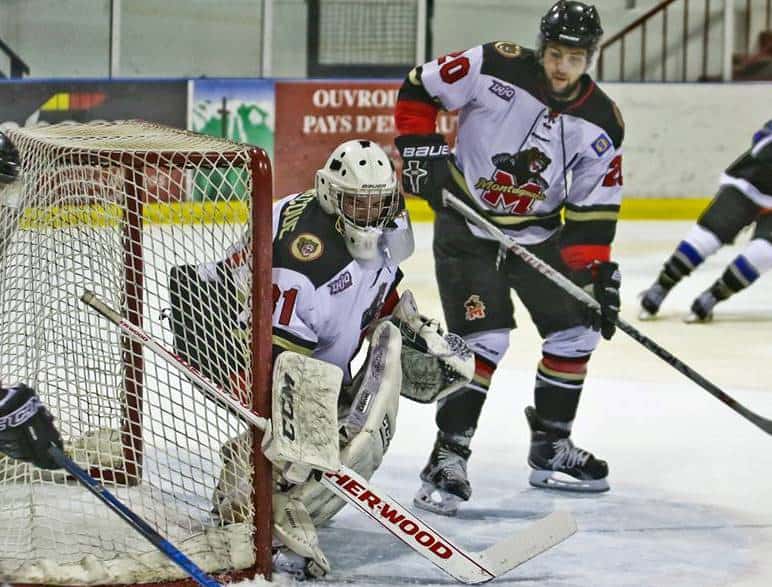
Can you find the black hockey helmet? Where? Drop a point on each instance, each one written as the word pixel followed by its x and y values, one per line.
pixel 571 23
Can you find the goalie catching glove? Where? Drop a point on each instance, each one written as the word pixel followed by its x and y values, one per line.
pixel 425 169
pixel 433 365
pixel 26 427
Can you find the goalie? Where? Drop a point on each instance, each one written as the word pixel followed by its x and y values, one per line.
pixel 336 251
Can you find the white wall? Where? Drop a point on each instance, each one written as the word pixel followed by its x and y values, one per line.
pixel 680 137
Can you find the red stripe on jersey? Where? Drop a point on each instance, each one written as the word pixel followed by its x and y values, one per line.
pixel 389 303
pixel 576 365
pixel 579 256
pixel 415 118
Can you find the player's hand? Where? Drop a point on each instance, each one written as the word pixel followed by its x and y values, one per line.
pixel 26 427
pixel 425 168
pixel 602 280
pixel 9 160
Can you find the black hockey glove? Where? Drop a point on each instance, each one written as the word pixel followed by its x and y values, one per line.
pixel 425 168
pixel 26 427
pixel 602 281
pixel 9 160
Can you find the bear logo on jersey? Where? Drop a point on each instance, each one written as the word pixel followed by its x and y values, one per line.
pixel 307 247
pixel 475 308
pixel 516 182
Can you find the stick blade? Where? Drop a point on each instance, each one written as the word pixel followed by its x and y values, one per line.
pixel 537 538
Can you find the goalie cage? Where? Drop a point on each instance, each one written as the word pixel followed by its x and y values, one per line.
pixel 113 207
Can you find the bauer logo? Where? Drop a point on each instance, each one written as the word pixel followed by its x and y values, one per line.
pixel 601 145
pixel 503 91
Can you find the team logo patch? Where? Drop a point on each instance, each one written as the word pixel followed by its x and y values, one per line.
pixel 601 145
pixel 507 49
pixel 516 182
pixel 475 308
pixel 503 91
pixel 341 283
pixel 307 247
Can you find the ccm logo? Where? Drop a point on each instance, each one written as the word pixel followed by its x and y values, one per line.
pixel 426 151
pixel 287 407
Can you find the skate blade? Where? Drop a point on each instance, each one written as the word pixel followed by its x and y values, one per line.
pixel 646 316
pixel 562 482
pixel 437 501
pixel 692 318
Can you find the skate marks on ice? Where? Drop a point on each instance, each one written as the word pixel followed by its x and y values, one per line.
pixel 624 539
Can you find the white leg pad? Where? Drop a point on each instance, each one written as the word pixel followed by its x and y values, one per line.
pixel 369 423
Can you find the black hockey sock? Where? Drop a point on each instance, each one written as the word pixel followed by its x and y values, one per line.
pixel 458 414
pixel 559 382
pixel 739 275
pixel 680 264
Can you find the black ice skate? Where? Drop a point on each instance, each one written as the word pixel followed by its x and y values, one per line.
pixel 445 483
pixel 702 308
pixel 558 464
pixel 651 300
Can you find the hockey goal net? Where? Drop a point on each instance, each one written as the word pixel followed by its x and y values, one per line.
pixel 131 210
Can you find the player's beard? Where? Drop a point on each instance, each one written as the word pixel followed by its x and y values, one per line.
pixel 567 93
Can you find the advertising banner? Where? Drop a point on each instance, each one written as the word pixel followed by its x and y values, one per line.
pixel 312 117
pixel 238 109
pixel 31 103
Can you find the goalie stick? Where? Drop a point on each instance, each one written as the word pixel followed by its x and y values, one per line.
pixel 166 547
pixel 464 566
pixel 570 287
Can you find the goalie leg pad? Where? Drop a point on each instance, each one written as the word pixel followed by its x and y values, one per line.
pixel 304 416
pixel 368 424
pixel 293 527
pixel 232 497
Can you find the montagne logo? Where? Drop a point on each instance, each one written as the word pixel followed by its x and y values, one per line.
pixel 516 182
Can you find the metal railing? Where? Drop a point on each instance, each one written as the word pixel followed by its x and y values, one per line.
pixel 645 23
pixel 18 67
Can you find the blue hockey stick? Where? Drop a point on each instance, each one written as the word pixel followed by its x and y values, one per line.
pixel 167 548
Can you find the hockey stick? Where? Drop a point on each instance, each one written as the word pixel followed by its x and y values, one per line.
pixel 569 286
pixel 167 548
pixel 464 566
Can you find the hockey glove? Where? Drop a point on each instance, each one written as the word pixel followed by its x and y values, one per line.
pixel 602 281
pixel 9 160
pixel 26 427
pixel 425 168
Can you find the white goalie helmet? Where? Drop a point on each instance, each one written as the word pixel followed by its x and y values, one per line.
pixel 359 185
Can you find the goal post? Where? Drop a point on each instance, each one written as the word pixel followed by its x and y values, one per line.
pixel 143 215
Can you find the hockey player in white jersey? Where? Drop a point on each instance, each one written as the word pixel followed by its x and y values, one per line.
pixel 528 121
pixel 26 426
pixel 336 251
pixel 744 197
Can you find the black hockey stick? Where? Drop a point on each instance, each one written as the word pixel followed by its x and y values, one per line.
pixel 166 547
pixel 569 286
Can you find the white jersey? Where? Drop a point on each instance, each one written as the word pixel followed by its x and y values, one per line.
pixel 521 155
pixel 324 300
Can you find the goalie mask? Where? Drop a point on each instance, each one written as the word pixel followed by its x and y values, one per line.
pixel 358 184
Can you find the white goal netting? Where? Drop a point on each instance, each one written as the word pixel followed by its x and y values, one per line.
pixel 131 211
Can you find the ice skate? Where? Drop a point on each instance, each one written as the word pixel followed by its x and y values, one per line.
pixel 558 464
pixel 445 483
pixel 286 562
pixel 702 308
pixel 651 300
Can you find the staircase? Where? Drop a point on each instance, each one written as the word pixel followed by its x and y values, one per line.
pixel 679 40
